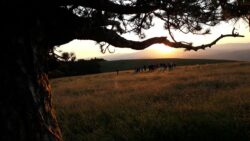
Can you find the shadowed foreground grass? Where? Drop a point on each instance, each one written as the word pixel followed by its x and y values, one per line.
pixel 193 103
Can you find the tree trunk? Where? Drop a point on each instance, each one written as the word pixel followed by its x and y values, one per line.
pixel 26 108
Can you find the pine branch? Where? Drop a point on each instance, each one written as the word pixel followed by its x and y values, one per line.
pixel 116 40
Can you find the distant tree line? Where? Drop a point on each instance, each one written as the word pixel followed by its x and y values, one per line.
pixel 69 66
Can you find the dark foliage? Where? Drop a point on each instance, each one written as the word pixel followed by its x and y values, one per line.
pixel 80 67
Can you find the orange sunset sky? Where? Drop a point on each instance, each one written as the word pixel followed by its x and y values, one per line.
pixel 85 49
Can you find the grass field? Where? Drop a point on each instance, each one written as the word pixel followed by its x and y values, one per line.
pixel 190 103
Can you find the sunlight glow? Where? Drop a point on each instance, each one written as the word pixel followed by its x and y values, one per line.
pixel 89 49
pixel 164 49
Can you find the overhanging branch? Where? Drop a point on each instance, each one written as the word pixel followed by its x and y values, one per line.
pixel 116 40
pixel 209 45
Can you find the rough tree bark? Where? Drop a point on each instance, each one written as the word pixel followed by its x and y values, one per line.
pixel 25 98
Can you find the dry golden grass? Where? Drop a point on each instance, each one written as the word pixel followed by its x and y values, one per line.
pixel 206 102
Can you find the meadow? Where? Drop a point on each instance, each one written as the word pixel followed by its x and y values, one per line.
pixel 190 103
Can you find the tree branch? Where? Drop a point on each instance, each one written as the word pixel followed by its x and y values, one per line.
pixel 209 45
pixel 111 37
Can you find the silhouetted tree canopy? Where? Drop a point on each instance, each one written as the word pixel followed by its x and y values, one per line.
pixel 105 21
pixel 66 56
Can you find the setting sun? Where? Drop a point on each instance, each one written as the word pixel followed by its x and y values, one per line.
pixel 164 49
pixel 88 49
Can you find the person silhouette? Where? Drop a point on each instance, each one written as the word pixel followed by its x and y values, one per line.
pixel 117 72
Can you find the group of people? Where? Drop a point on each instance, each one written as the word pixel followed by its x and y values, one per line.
pixel 153 67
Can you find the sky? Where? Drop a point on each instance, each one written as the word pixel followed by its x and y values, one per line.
pixel 86 49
